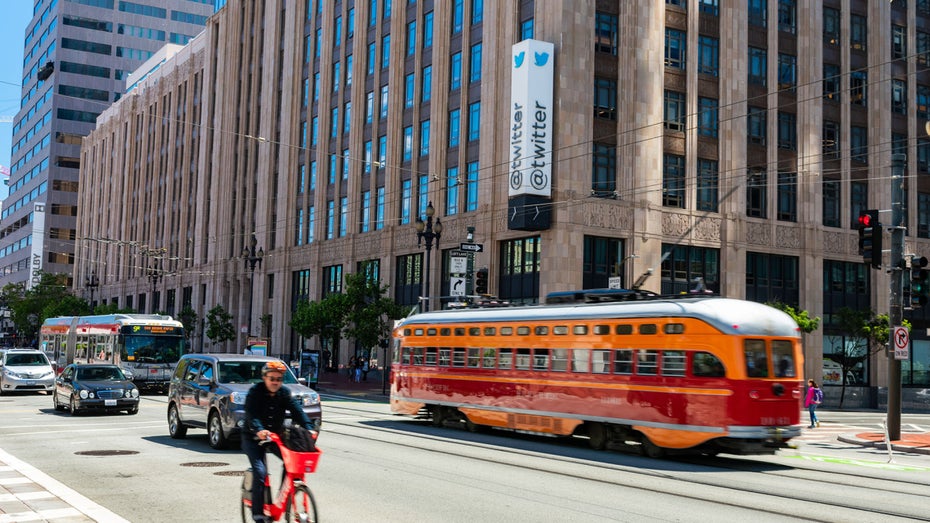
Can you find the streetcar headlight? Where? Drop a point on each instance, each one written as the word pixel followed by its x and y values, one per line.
pixel 84 394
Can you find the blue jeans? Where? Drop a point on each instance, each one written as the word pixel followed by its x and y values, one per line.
pixel 813 411
pixel 256 454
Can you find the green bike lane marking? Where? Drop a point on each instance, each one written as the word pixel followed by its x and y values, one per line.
pixel 863 463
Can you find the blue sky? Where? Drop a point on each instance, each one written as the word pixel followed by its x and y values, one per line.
pixel 16 16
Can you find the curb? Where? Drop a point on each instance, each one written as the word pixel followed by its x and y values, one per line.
pixel 852 439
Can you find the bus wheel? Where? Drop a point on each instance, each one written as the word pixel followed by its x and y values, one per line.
pixel 597 436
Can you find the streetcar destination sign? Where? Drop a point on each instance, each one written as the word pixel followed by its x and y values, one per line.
pixel 473 247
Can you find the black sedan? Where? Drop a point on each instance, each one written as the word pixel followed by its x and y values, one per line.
pixel 94 386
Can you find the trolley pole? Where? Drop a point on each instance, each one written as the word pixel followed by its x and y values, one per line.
pixel 896 310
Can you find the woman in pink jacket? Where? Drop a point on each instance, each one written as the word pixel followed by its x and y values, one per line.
pixel 814 397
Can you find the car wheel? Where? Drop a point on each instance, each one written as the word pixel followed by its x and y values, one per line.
pixel 218 440
pixel 74 408
pixel 58 406
pixel 176 429
pixel 133 410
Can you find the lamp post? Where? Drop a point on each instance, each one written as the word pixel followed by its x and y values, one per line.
pixel 91 282
pixel 154 274
pixel 427 232
pixel 252 258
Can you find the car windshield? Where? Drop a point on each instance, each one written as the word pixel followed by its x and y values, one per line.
pixel 100 374
pixel 26 360
pixel 247 372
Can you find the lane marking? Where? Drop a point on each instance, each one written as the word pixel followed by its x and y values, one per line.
pixel 871 464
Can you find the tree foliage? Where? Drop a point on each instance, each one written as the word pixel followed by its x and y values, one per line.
pixel 188 317
pixel 50 297
pixel 801 317
pixel 219 325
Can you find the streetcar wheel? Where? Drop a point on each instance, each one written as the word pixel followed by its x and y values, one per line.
pixel 176 429
pixel 651 449
pixel 301 507
pixel 437 417
pixel 471 426
pixel 597 436
pixel 74 409
pixel 215 434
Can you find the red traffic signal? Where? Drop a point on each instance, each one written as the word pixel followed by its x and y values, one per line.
pixel 870 238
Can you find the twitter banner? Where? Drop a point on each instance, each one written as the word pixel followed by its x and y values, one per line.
pixel 531 118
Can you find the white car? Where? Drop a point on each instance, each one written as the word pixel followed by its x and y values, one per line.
pixel 25 370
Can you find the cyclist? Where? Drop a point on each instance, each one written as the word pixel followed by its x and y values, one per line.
pixel 264 413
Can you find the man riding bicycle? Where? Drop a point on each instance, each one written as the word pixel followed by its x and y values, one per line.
pixel 265 406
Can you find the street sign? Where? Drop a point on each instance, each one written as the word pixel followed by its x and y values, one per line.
pixel 473 247
pixel 458 265
pixel 902 343
pixel 456 286
pixel 615 282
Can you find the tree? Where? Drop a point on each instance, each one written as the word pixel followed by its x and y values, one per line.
pixel 866 334
pixel 801 317
pixel 48 298
pixel 189 318
pixel 324 319
pixel 219 325
pixel 370 314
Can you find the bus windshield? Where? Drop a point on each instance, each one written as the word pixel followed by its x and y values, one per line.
pixel 146 348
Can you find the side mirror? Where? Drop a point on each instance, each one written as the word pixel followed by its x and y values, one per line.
pixel 302 380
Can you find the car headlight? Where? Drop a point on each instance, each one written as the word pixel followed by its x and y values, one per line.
pixel 310 399
pixel 135 393
pixel 12 374
pixel 238 398
pixel 83 394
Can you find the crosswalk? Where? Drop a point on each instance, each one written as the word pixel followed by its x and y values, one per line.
pixel 27 494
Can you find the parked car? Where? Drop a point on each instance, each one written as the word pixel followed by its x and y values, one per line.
pixel 208 391
pixel 95 386
pixel 25 370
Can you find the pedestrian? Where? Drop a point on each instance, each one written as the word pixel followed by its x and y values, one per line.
pixel 358 369
pixel 351 368
pixel 365 368
pixel 814 397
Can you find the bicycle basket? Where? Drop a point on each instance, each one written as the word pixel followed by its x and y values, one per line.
pixel 302 461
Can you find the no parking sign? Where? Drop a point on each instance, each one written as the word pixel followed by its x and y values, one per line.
pixel 902 343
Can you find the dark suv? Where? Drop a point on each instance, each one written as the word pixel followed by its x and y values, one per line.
pixel 209 390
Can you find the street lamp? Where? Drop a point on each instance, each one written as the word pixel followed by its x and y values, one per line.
pixel 154 274
pixel 427 232
pixel 91 283
pixel 251 259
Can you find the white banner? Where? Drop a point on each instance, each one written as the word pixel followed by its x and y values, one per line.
pixel 531 118
pixel 38 245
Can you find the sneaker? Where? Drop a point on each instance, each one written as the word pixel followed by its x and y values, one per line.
pixel 817 424
pixel 810 427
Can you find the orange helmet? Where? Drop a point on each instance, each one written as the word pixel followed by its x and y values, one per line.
pixel 274 366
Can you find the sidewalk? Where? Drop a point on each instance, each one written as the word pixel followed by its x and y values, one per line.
pixel 915 442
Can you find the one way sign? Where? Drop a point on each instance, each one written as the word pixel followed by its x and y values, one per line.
pixel 473 247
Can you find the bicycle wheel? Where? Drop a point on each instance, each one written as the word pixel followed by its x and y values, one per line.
pixel 244 494
pixel 301 507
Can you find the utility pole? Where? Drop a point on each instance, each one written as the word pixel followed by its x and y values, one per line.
pixel 896 310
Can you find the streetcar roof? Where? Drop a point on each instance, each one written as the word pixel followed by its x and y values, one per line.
pixel 730 316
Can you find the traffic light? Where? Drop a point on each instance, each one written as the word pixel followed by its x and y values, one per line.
pixel 870 238
pixel 481 281
pixel 920 282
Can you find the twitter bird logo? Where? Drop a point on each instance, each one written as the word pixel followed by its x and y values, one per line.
pixel 518 60
pixel 541 59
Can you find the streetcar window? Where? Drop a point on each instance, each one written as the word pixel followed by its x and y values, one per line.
pixel 405 356
pixel 489 331
pixel 506 331
pixel 445 331
pixel 623 361
pixel 600 361
pixel 417 332
pixel 648 328
pixel 407 332
pixel 580 329
pixel 624 329
pixel 487 359
pixel 523 359
pixel 458 357
pixel 783 356
pixel 474 357
pixel 561 330
pixel 674 328
pixel 541 330
pixel 757 364
pixel 647 362
pixel 431 356
pixel 541 359
pixel 559 360
pixel 581 359
pixel 706 364
pixel 418 356
pixel 602 329
pixel 505 360
pixel 673 362
pixel 459 331
pixel 523 331
pixel 444 357
pixel 474 331
pixel 431 331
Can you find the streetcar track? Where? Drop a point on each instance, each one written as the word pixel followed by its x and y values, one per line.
pixel 814 497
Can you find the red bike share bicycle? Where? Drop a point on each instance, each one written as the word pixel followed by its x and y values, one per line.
pixel 294 499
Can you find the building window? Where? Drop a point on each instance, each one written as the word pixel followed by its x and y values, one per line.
pixel 424 138
pixel 757 66
pixel 756 125
pixel 923 48
pixel 406 200
pixel 858 93
pixel 675 48
pixel 756 193
pixel 365 218
pixel 708 185
pixel 454 124
pixel 831 140
pixel 330 219
pixel 408 143
pixel 474 121
pixel 371 58
pixel 675 111
pixel 708 55
pixel 709 7
pixel 411 38
pixel 859 144
pixel 519 278
pixel 457 16
pixel 475 63
pixel 407 280
pixel 923 155
pixel 452 191
pixel 455 72
pixel 832 204
pixel 603 259
pixel 428 30
pixel 858 32
pixel 787 131
pixel 787 197
pixel 605 98
pixel 898 42
pixel 758 12
pixel 707 117
pixel 673 181
pixel 526 29
pixel 384 102
pixel 772 277
pixel 379 210
pixel 831 26
pixel 787 71
pixel 923 215
pixel 369 106
pixel 787 16
pixel 604 170
pixel 923 102
pixel 427 93
pixel 831 82
pixel 606 30
pixel 408 90
pixel 684 266
pixel 858 201
pixel 385 51
pixel 471 187
pixel 898 96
